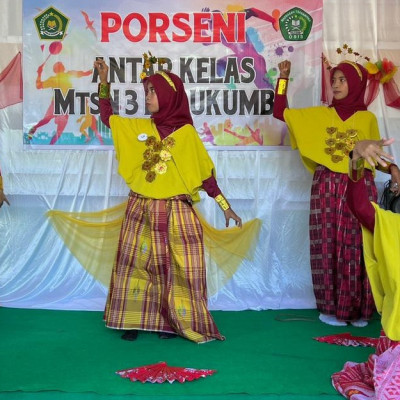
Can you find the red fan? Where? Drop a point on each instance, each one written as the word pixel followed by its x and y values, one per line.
pixel 161 372
pixel 346 339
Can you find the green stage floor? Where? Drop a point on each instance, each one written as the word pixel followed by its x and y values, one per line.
pixel 70 355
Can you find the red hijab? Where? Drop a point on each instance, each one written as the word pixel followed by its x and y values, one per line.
pixel 356 76
pixel 174 111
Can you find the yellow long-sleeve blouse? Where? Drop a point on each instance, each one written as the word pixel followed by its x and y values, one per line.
pixel 158 168
pixel 323 138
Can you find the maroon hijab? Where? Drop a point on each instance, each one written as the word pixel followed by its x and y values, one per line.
pixel 174 111
pixel 356 76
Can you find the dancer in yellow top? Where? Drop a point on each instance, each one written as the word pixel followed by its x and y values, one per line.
pixel 324 137
pixel 158 281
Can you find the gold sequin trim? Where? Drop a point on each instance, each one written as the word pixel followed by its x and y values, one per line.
pixel 104 90
pixel 339 143
pixel 156 157
pixel 282 86
pixel 222 202
pixel 167 78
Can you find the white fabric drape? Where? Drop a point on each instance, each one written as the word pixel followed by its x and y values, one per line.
pixel 38 271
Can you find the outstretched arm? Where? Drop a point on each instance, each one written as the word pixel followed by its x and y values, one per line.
pixel 357 195
pixel 104 92
pixel 280 100
pixel 210 185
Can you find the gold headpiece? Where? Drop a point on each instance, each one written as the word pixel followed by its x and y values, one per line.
pixel 355 66
pixel 382 70
pixel 167 78
pixel 344 51
pixel 148 61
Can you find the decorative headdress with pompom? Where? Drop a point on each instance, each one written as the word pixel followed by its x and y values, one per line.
pixel 381 71
pixel 384 70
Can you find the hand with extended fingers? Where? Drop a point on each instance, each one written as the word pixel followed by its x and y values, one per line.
pixel 372 151
pixel 230 214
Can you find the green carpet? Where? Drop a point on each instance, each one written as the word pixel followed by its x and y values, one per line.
pixel 44 353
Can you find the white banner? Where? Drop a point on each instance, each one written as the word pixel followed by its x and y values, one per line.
pixel 226 55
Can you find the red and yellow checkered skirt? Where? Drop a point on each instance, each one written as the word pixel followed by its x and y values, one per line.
pixel 158 281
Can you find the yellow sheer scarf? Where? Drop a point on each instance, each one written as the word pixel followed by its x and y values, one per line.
pixel 382 260
pixel 92 237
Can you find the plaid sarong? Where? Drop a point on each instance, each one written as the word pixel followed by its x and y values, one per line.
pixel 340 281
pixel 158 281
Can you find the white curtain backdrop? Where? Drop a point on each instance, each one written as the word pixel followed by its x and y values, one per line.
pixel 38 271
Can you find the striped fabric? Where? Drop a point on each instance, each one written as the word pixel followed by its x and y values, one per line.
pixel 376 379
pixel 340 281
pixel 158 282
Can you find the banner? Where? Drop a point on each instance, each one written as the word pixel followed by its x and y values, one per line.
pixel 226 54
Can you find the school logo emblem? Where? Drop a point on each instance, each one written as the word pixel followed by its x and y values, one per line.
pixel 295 24
pixel 51 24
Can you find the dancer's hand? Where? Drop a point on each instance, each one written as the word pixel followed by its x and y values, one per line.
pixel 102 70
pixel 371 150
pixel 230 214
pixel 3 198
pixel 284 69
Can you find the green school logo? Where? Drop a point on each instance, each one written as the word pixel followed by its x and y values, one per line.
pixel 295 24
pixel 51 24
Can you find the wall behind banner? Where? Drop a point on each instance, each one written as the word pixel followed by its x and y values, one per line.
pixel 36 269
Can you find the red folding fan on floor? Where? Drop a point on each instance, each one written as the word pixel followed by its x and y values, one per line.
pixel 161 372
pixel 347 339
